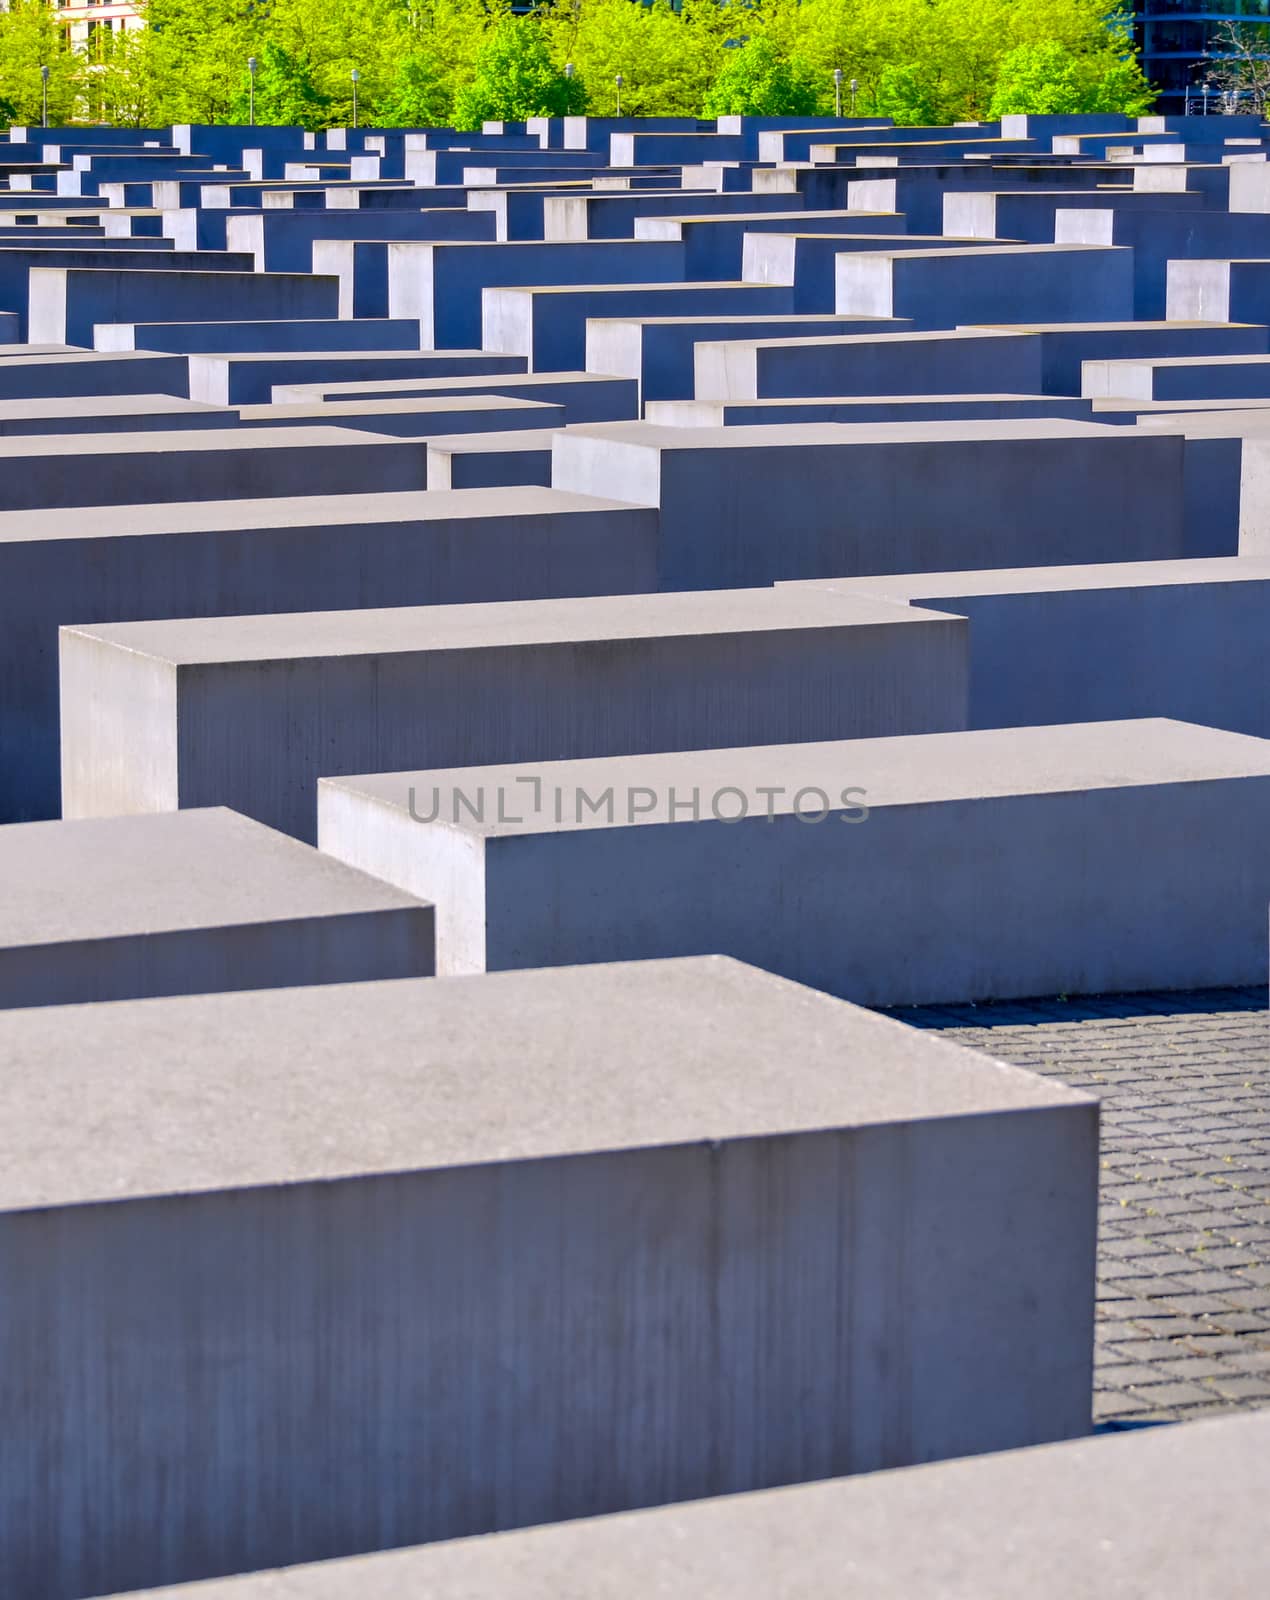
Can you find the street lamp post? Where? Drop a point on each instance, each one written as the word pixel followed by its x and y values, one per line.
pixel 854 85
pixel 569 70
pixel 837 91
pixel 44 96
pixel 357 78
pixel 252 65
pixel 619 81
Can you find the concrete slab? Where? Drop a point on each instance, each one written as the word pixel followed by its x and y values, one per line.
pixel 1112 1515
pixel 124 908
pixel 490 460
pixel 921 496
pixel 307 553
pixel 1182 639
pixel 215 464
pixel 1085 858
pixel 249 378
pixel 376 1306
pixel 285 699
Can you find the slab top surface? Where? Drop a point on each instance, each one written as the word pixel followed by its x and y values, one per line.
pixel 297 511
pixel 1112 1517
pixel 187 441
pixel 113 1101
pixel 907 770
pixel 946 586
pixel 810 435
pixel 493 624
pixel 117 877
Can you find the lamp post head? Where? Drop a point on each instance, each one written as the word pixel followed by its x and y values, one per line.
pixel 355 75
pixel 569 69
pixel 854 85
pixel 252 64
pixel 619 80
pixel 837 74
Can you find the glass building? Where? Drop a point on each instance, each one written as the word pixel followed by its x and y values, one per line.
pixel 1174 37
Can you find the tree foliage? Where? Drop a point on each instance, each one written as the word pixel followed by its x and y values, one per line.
pixel 759 81
pixel 426 62
pixel 516 78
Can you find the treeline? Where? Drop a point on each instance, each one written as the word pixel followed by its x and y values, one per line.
pixel 439 62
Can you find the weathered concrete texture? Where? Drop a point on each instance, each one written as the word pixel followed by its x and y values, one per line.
pixel 1075 859
pixel 250 712
pixel 360 1251
pixel 1182 639
pixel 308 553
pixel 1097 1517
pixel 124 908
pixel 886 497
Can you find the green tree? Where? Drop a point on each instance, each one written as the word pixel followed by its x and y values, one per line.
pixel 418 96
pixel 285 95
pixel 30 38
pixel 907 95
pixel 758 81
pixel 1050 79
pixel 516 78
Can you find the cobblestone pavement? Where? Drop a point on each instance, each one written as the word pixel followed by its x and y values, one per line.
pixel 1184 1233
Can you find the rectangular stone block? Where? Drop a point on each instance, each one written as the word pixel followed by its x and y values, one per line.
pixel 1083 858
pixel 957 361
pixel 59 471
pixel 323 1271
pixel 489 460
pixel 715 246
pixel 30 372
pixel 1180 378
pixel 548 325
pixel 266 706
pixel 236 338
pixel 125 908
pixel 307 553
pixel 1101 1516
pixel 1014 283
pixel 413 419
pixel 1065 348
pixel 122 413
pixel 659 351
pixel 586 396
pixel 249 378
pixel 1182 639
pixel 441 284
pixel 753 505
pixel 863 408
pixel 68 302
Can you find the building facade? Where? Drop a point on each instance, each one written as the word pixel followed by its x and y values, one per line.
pixel 1175 38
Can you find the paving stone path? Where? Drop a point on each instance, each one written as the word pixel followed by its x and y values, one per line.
pixel 1184 1246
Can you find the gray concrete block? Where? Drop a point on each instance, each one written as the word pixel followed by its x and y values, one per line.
pixel 1243 377
pixel 659 351
pixel 250 377
pixel 586 396
pixel 960 361
pixel 414 419
pixel 1083 858
pixel 308 553
pixel 218 463
pixel 68 302
pixel 267 705
pixel 441 284
pixel 1182 639
pixel 1098 1517
pixel 124 413
pixel 1015 283
pixel 867 408
pixel 221 338
pixel 360 1253
pixel 1066 347
pixel 490 460
pixel 125 908
pixel 29 372
pixel 917 497
pixel 548 325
